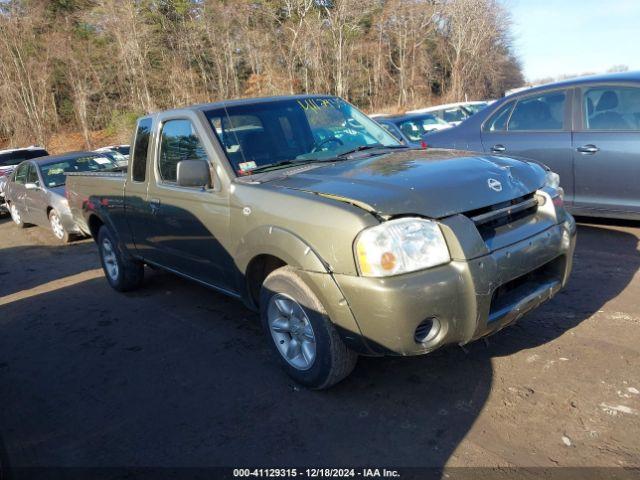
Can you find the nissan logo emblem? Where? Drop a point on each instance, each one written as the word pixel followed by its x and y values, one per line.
pixel 494 185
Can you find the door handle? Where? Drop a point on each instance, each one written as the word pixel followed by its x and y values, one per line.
pixel 588 149
pixel 498 148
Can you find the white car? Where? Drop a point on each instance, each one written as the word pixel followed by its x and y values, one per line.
pixel 8 161
pixel 114 155
pixel 455 113
pixel 121 149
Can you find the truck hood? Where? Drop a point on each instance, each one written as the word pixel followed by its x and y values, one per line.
pixel 430 183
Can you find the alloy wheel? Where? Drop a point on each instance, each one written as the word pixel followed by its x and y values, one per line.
pixel 15 215
pixel 110 260
pixel 292 331
pixel 56 226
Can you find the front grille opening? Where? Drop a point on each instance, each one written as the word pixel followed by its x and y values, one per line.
pixel 515 290
pixel 488 219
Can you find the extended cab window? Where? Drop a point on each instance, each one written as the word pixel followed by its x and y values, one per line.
pixel 612 108
pixel 179 141
pixel 140 149
pixel 542 112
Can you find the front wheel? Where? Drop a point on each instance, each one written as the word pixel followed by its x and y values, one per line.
pixel 15 216
pixel 301 333
pixel 57 228
pixel 123 272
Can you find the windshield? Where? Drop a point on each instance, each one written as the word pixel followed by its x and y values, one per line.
pixel 17 156
pixel 115 155
pixel 53 174
pixel 475 107
pixel 415 127
pixel 306 129
pixel 456 114
pixel 122 149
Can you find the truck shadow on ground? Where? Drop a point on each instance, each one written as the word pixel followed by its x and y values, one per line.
pixel 177 375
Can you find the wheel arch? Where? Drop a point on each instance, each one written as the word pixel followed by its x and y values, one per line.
pixel 266 248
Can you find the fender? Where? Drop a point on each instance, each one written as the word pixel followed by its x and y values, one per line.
pixel 286 245
pixel 281 243
pixel 111 214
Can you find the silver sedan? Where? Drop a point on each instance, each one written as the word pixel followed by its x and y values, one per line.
pixel 35 192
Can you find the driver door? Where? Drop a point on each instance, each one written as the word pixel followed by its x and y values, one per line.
pixel 187 227
pixel 35 197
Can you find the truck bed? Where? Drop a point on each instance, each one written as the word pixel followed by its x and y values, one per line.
pixel 85 188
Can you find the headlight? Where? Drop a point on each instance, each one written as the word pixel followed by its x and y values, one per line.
pixel 552 179
pixel 400 246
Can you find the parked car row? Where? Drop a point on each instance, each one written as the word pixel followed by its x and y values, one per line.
pixel 409 129
pixel 35 190
pixel 587 130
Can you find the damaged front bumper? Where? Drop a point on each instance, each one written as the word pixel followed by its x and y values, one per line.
pixel 468 298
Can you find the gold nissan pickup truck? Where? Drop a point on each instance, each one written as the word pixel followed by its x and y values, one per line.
pixel 347 242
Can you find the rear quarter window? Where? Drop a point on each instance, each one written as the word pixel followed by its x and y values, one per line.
pixel 140 150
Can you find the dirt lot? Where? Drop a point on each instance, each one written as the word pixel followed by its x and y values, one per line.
pixel 177 375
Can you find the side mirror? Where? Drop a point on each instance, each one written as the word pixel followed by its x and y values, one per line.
pixel 31 186
pixel 193 173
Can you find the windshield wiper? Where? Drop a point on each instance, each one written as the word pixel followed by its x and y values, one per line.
pixel 341 156
pixel 373 146
pixel 276 165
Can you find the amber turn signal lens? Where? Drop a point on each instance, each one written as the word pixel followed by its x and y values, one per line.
pixel 388 261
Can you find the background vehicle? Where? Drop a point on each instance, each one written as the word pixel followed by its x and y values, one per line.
pixel 114 155
pixel 346 241
pixel 410 128
pixel 586 129
pixel 454 113
pixel 8 160
pixel 121 149
pixel 35 191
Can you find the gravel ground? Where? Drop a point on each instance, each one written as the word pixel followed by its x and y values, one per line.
pixel 177 375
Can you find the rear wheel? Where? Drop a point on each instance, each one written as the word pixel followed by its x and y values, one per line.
pixel 301 333
pixel 57 228
pixel 15 216
pixel 123 272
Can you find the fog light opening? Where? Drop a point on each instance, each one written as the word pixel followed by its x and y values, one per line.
pixel 427 330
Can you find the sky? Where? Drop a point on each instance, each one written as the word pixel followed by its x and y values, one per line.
pixel 559 37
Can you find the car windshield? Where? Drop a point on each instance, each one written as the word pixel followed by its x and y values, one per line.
pixel 123 149
pixel 456 114
pixel 114 155
pixel 475 107
pixel 415 127
pixel 53 174
pixel 15 157
pixel 294 130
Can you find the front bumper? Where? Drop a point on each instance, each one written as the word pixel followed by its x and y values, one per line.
pixel 470 298
pixel 69 224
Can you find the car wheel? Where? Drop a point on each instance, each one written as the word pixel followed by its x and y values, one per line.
pixel 123 272
pixel 301 333
pixel 15 216
pixel 57 228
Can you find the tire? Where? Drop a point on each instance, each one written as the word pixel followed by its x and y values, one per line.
pixel 57 228
pixel 284 291
pixel 123 272
pixel 15 216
